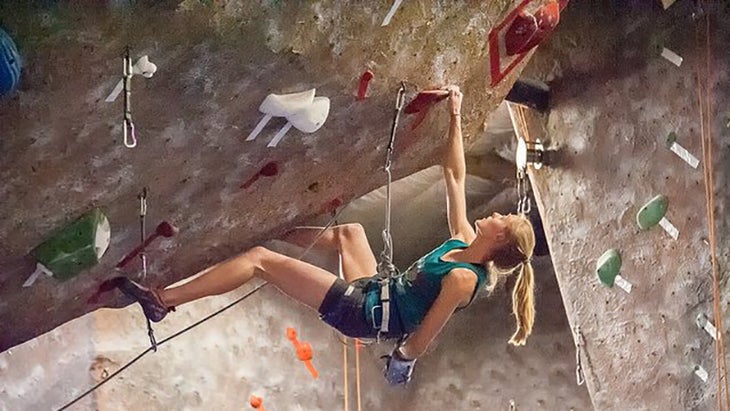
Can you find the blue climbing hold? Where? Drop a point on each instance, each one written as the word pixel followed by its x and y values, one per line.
pixel 9 64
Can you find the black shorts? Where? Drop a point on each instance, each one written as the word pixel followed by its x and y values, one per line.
pixel 344 308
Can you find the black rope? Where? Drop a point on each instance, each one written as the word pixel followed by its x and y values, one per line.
pixel 190 327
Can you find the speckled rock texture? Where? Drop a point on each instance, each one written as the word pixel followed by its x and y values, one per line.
pixel 615 100
pixel 61 152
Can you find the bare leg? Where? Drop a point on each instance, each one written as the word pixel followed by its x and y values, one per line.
pixel 349 240
pixel 302 281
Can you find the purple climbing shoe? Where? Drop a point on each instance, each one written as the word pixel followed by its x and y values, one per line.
pixel 154 309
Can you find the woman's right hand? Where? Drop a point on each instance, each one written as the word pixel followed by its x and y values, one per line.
pixel 455 97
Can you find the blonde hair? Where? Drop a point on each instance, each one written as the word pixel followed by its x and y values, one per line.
pixel 517 252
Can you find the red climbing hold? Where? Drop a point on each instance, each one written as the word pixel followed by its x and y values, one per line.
pixel 164 229
pixel 519 32
pixel 270 169
pixel 364 81
pixel 424 100
pixel 331 206
pixel 527 31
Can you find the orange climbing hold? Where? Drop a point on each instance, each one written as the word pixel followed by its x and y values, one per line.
pixel 304 351
pixel 257 403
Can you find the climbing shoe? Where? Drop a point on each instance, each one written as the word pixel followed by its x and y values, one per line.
pixel 154 309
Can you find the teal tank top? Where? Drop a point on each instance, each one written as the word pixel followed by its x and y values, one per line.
pixel 413 293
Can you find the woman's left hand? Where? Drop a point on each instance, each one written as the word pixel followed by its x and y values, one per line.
pixel 398 370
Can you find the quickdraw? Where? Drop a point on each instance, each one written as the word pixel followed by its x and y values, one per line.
pixel 386 269
pixel 130 138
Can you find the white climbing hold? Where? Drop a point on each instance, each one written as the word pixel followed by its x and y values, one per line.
pixel 669 228
pixel 672 56
pixel 143 66
pixel 705 323
pixel 307 120
pixel 701 373
pixel 681 151
pixel 281 105
pixel 667 3
pixel 39 269
pixel 391 12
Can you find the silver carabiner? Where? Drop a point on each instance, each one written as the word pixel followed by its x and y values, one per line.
pixel 128 124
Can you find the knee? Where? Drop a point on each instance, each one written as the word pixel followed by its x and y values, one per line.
pixel 257 255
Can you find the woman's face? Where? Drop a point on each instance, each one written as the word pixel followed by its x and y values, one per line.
pixel 494 226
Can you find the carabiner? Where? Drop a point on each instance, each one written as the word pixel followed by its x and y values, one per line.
pixel 128 124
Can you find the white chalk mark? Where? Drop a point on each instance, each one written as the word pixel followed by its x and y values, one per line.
pixel 622 283
pixel 260 126
pixel 115 93
pixel 39 269
pixel 701 373
pixel 391 12
pixel 669 228
pixel 667 3
pixel 280 135
pixel 672 56
pixel 684 155
pixel 705 323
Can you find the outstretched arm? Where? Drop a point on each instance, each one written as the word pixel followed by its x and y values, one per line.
pixel 454 168
pixel 456 290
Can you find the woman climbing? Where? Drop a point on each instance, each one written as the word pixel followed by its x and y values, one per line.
pixel 421 300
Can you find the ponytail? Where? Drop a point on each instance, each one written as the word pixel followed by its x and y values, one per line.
pixel 523 304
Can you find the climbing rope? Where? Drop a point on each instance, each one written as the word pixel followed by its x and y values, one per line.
pixel 190 327
pixel 707 167
pixel 386 269
pixel 386 256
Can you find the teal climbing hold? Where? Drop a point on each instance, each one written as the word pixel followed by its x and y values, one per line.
pixel 75 247
pixel 608 267
pixel 652 212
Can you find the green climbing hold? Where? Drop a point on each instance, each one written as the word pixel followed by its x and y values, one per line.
pixel 671 139
pixel 652 212
pixel 75 247
pixel 608 267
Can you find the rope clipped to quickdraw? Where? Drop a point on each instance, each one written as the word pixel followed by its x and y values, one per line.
pixel 142 228
pixel 130 139
pixel 386 269
pixel 517 114
pixel 386 256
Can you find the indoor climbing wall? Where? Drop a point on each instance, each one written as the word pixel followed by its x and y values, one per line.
pixel 245 350
pixel 625 127
pixel 241 119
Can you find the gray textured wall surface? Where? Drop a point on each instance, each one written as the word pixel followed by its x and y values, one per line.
pixel 615 104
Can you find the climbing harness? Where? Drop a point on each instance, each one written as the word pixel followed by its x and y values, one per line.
pixel 190 327
pixel 578 337
pixel 130 139
pixel 386 269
